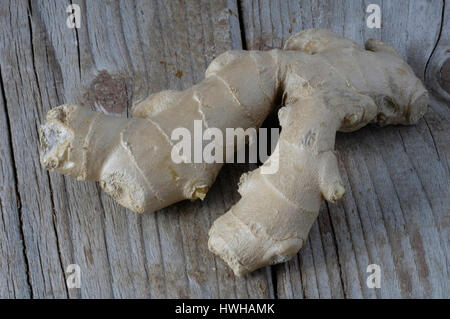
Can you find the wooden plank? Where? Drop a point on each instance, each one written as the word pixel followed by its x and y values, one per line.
pixel 13 275
pixel 395 213
pixel 24 105
pixel 438 69
pixel 123 51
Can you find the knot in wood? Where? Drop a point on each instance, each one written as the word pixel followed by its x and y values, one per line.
pixel 109 92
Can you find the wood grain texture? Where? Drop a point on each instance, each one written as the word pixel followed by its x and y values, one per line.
pixel 438 68
pixel 395 213
pixel 122 52
pixel 396 210
pixel 13 276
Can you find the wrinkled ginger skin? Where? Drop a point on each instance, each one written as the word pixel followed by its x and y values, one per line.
pixel 326 84
pixel 131 158
pixel 329 84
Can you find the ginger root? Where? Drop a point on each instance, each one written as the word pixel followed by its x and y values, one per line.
pixel 327 84
pixel 131 158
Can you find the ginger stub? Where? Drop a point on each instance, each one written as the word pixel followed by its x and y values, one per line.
pixel 326 84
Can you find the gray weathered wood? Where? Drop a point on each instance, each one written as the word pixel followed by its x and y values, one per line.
pixel 396 210
pixel 24 99
pixel 438 68
pixel 13 276
pixel 395 213
pixel 127 49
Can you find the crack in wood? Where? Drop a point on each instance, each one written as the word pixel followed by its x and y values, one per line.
pixel 17 192
pixel 437 42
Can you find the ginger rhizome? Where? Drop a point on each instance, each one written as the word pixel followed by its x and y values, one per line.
pixel 131 158
pixel 326 84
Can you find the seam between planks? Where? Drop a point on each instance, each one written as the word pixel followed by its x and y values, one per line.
pixel 437 42
pixel 78 48
pixel 19 204
pixel 241 24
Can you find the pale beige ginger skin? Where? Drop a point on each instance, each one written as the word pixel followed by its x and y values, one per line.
pixel 327 84
pixel 131 158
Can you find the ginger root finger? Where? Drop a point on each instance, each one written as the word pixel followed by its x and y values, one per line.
pixel 88 145
pixel 330 181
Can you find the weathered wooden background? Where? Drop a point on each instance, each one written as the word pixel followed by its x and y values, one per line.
pixel 395 213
